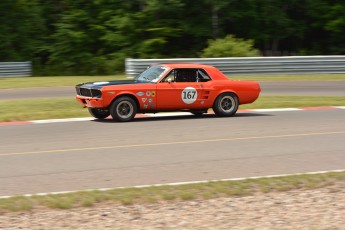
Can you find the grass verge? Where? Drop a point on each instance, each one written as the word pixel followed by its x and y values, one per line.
pixel 37 109
pixel 153 194
pixel 292 77
pixel 30 82
pixel 266 102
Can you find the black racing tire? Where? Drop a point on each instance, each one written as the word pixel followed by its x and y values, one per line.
pixel 123 109
pixel 99 113
pixel 226 105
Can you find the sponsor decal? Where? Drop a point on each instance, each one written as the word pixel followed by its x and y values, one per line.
pixel 150 100
pixel 152 106
pixel 101 83
pixel 148 93
pixel 143 99
pixel 153 93
pixel 189 95
pixel 145 106
pixel 140 94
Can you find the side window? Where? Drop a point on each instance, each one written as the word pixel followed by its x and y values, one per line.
pixel 187 75
pixel 170 77
pixel 202 76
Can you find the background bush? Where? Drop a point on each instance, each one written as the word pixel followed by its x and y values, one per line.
pixel 230 47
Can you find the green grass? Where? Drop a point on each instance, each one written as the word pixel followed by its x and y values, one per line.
pixel 154 194
pixel 37 109
pixel 265 102
pixel 292 77
pixel 30 82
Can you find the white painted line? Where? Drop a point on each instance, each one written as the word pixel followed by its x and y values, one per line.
pixel 276 110
pixel 62 120
pixel 171 114
pixel 91 118
pixel 180 183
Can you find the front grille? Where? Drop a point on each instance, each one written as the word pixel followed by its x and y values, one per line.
pixel 96 93
pixel 88 92
pixel 78 90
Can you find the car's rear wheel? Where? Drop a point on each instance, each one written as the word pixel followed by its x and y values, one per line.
pixel 123 109
pixel 226 105
pixel 99 113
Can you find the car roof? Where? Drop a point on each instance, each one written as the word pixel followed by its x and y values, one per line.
pixel 215 73
pixel 187 65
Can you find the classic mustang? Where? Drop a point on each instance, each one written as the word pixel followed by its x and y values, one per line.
pixel 168 87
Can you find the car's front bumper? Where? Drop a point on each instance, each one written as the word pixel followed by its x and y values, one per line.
pixel 91 102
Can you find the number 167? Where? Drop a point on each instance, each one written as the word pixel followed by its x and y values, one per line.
pixel 189 95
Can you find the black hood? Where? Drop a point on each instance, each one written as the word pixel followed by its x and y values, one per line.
pixel 101 84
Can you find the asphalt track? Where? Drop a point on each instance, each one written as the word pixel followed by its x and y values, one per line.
pixel 301 88
pixel 55 157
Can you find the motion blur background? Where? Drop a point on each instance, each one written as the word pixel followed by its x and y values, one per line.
pixel 49 143
pixel 78 37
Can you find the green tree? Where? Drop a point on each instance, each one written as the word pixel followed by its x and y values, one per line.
pixel 21 29
pixel 335 25
pixel 274 25
pixel 95 36
pixel 324 34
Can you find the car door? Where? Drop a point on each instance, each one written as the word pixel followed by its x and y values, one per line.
pixel 180 90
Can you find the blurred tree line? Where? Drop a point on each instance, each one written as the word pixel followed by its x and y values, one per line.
pixel 95 36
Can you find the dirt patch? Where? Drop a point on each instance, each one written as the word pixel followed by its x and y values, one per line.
pixel 322 208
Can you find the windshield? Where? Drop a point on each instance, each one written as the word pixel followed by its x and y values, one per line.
pixel 152 74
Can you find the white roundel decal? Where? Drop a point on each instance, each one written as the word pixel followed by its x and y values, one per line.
pixel 189 95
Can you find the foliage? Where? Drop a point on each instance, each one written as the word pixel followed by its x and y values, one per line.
pixel 21 29
pixel 95 36
pixel 230 47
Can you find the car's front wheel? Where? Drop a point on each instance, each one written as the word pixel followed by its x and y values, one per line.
pixel 123 109
pixel 99 113
pixel 226 105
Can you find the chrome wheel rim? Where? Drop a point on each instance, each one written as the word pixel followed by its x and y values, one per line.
pixel 227 104
pixel 124 109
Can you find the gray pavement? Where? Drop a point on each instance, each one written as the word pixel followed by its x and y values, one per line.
pixel 31 93
pixel 87 155
pixel 303 88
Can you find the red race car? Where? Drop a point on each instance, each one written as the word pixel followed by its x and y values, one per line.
pixel 168 87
